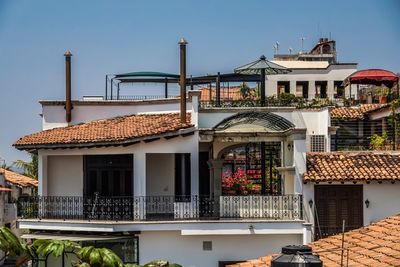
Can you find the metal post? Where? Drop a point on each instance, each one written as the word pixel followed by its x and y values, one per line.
pixel 182 78
pixel 218 90
pixel 118 91
pixel 112 80
pixel 262 91
pixel 68 103
pixel 210 92
pixel 106 87
pixel 263 166
pixel 271 188
pixel 166 88
pixel 191 83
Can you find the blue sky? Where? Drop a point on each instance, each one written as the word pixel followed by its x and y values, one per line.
pixel 121 36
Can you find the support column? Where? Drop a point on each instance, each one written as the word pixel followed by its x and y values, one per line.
pixel 293 87
pixel 42 173
pixel 216 179
pixel 139 174
pixel 330 90
pixel 311 89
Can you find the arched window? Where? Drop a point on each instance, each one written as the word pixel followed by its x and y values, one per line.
pixel 250 169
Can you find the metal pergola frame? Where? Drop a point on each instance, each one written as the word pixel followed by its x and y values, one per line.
pixel 168 78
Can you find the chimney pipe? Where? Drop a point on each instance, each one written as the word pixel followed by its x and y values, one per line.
pixel 68 104
pixel 182 78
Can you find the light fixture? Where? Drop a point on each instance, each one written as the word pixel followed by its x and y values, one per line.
pixel 289 146
pixel 367 203
pixel 311 203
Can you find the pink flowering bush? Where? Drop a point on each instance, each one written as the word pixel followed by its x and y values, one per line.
pixel 238 182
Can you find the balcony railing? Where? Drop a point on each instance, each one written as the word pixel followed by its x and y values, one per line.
pixel 162 208
pixel 273 101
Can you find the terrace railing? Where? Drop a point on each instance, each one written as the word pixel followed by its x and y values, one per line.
pixel 297 102
pixel 162 208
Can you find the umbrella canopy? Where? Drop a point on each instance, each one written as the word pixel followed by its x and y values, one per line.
pixel 373 76
pixel 257 66
pixel 262 67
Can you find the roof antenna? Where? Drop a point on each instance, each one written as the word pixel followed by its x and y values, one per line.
pixel 290 50
pixel 302 44
pixel 277 47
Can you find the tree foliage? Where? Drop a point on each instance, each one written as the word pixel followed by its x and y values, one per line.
pixel 30 168
pixel 87 256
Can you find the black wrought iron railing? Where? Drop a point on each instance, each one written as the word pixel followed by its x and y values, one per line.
pixel 297 102
pixel 165 208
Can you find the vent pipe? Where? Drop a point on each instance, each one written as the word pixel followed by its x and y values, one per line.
pixel 68 103
pixel 182 78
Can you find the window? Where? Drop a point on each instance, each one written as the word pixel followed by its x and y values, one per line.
pixel 126 248
pixel 207 245
pixel 317 143
pixel 283 87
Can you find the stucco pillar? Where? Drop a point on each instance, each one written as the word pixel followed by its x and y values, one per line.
pixel 42 173
pixel 311 89
pixel 330 90
pixel 139 174
pixel 216 171
pixel 293 87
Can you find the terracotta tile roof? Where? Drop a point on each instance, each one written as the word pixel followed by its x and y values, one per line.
pixel 355 112
pixel 119 130
pixel 233 93
pixel 377 244
pixel 352 166
pixel 18 179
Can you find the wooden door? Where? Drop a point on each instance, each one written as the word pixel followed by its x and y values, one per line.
pixel 335 203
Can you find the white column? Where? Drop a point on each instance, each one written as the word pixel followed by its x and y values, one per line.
pixel 311 89
pixel 293 87
pixel 216 165
pixel 271 87
pixel 139 174
pixel 42 173
pixel 330 89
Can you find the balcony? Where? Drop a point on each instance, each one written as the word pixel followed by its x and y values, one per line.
pixel 163 208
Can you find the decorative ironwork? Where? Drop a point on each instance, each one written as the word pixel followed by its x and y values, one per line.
pixel 164 208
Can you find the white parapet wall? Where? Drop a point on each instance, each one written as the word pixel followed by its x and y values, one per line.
pixel 188 250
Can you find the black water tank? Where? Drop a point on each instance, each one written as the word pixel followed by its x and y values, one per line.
pixel 296 256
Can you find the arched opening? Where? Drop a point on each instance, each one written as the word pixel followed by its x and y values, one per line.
pixel 251 169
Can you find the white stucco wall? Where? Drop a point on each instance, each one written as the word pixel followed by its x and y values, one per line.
pixel 65 175
pixel 160 173
pixel 330 74
pixel 384 200
pixel 54 115
pixel 188 250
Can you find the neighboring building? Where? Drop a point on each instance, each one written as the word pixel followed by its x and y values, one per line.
pixel 315 74
pixel 358 187
pixel 374 245
pixel 14 186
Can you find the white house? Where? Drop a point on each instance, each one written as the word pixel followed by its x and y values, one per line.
pixel 199 185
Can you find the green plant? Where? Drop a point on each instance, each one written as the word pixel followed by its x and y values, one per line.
pixel 377 141
pixel 30 168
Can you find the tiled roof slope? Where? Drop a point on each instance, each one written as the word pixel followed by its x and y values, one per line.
pixel 352 166
pixel 113 130
pixel 377 244
pixel 233 93
pixel 18 179
pixel 355 112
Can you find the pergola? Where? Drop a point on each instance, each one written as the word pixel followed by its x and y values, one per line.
pixel 168 78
